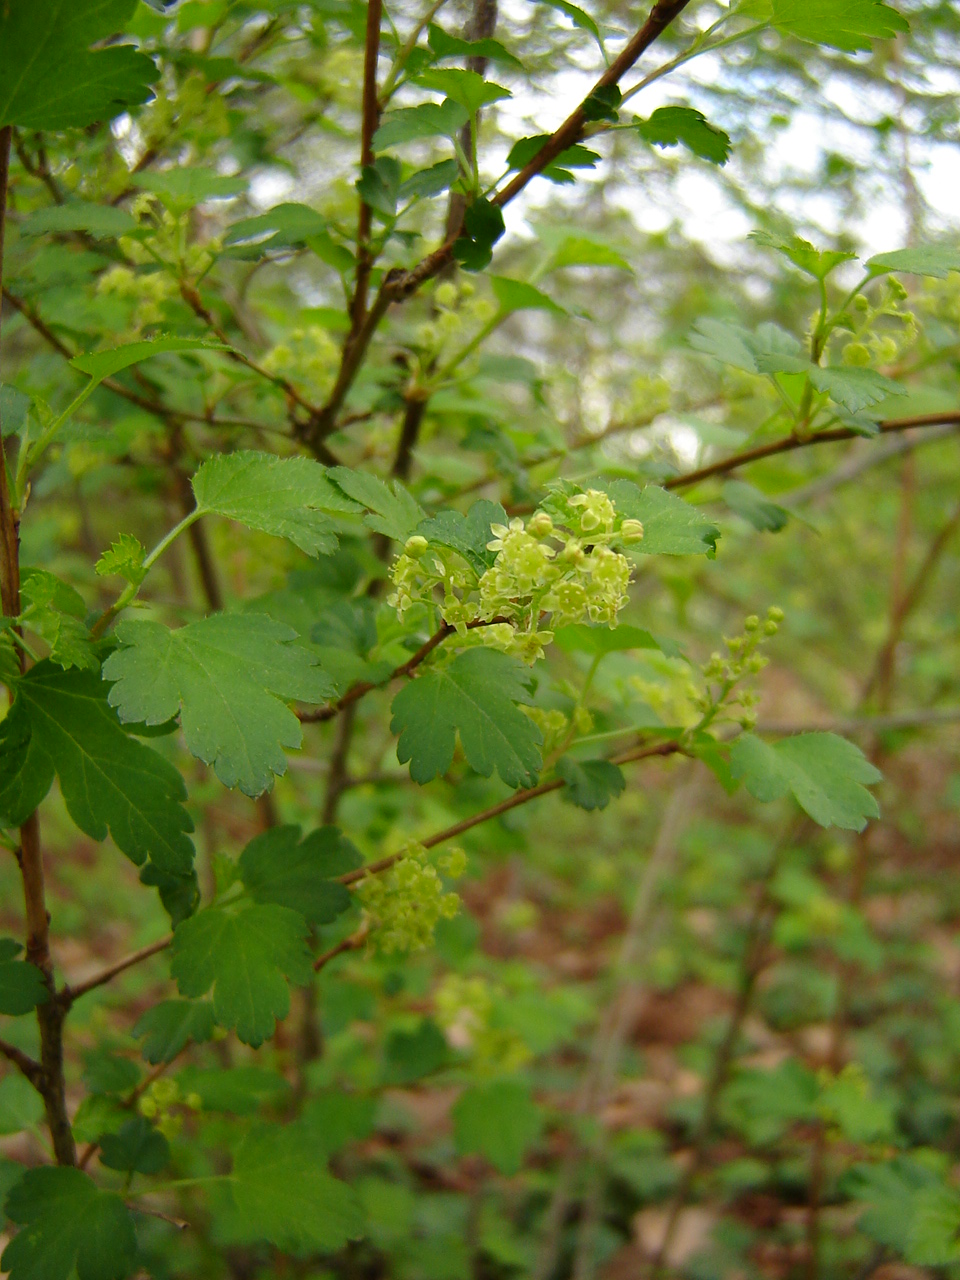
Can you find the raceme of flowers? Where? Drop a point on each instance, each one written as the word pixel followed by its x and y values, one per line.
pixel 560 566
pixel 405 903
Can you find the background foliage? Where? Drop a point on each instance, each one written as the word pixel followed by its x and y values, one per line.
pixel 400 379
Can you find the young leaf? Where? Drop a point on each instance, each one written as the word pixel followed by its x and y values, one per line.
pixel 936 260
pixel 476 694
pixel 447 46
pixel 66 1222
pixel 168 1027
pixel 818 263
pixel 21 1107
pixel 428 182
pixel 575 157
pixel 102 221
pixel 394 512
pixel 22 987
pixel 285 226
pixel 287 497
pixel 379 185
pixel 61 723
pixel 50 78
pixel 104 364
pixel 247 956
pixel 483 226
pixel 602 103
pixel 284 1194
pixel 124 559
pixel 135 1148
pixel 755 507
pixel 854 388
pixel 848 26
pixel 673 126
pixel 467 88
pixel 277 866
pixel 671 527
pixel 228 676
pixel 826 775
pixel 429 120
pixel 591 784
pixel 499 1121
pixel 517 295
pixel 467 534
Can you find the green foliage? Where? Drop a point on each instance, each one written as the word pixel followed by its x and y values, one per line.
pixel 50 78
pixel 672 126
pixel 277 866
pixel 225 676
pixel 62 725
pixel 22 986
pixel 478 696
pixel 67 1222
pixel 284 1195
pixel 825 774
pixel 288 497
pixel 247 955
pixel 135 1148
pixel 168 1027
pixel 590 784
pixel 499 1121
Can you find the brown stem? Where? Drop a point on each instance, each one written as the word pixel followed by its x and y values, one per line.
pixel 351 943
pixel 511 802
pixel 409 433
pixel 27 1065
pixel 371 119
pixel 69 994
pixel 50 1015
pixel 789 443
pixel 398 285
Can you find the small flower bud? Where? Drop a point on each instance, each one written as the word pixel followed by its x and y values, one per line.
pixel 631 530
pixel 775 614
pixel 540 524
pixel 446 294
pixel 751 623
pixel 415 546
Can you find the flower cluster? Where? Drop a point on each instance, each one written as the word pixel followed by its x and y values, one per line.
pixel 465 1010
pixel 162 1103
pixel 725 674
pixel 559 565
pixel 405 903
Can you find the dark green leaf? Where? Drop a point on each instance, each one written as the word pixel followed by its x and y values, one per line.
pixel 136 1148
pixel 591 784
pixel 104 364
pixel 246 956
pixel 754 506
pixel 855 388
pixel 517 295
pixel 674 126
pixel 286 226
pixel 447 46
pixel 168 1027
pixel 411 1055
pixel 482 227
pixel 22 987
pixel 65 1222
pixel 379 185
pixel 602 103
pixel 62 724
pixel 277 866
pixel 597 641
pixel 467 534
pixel 102 221
pixel 50 78
pixel 429 182
pixel 476 695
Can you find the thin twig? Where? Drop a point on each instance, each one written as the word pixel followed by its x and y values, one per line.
pixel 351 943
pixel 407 668
pixel 27 1065
pixel 788 443
pixel 67 995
